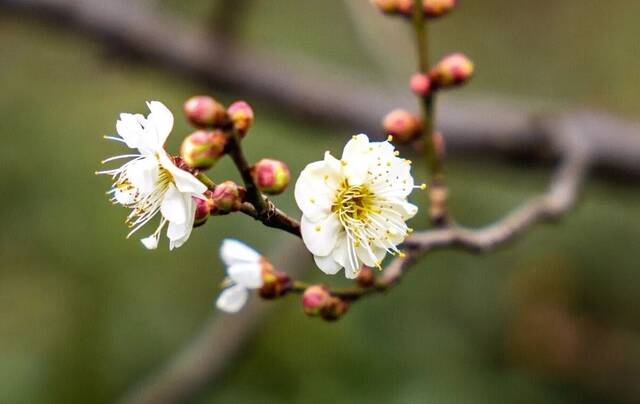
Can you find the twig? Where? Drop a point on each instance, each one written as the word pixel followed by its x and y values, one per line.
pixel 483 127
pixel 273 217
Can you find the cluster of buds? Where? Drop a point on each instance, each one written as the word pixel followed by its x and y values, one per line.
pixel 431 8
pixel 271 176
pixel 204 147
pixel 318 301
pixel 225 198
pixel 451 71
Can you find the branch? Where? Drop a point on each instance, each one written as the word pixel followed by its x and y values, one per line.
pixel 273 217
pixel 479 127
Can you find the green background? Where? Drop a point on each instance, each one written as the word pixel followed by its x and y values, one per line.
pixel 85 314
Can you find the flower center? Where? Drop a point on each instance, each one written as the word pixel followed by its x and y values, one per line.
pixel 353 203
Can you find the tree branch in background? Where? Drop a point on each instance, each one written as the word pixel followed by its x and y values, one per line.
pixel 482 127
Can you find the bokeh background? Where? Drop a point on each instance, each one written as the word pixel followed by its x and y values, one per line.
pixel 86 314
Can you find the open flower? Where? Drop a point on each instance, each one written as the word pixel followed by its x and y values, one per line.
pixel 244 270
pixel 150 182
pixel 354 209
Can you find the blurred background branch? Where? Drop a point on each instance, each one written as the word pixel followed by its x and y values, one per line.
pixel 480 127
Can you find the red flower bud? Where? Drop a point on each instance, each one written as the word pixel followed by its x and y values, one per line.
pixel 334 309
pixel 437 8
pixel 204 111
pixel 420 84
pixel 226 198
pixel 366 278
pixel 202 149
pixel 402 125
pixel 203 209
pixel 241 115
pixel 275 283
pixel 314 299
pixel 453 70
pixel 271 176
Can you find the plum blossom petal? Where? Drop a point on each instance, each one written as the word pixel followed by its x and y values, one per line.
pixel 232 299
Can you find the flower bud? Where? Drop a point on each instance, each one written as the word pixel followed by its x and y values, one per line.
pixel 202 149
pixel 366 277
pixel 437 8
pixel 274 283
pixel 204 111
pixel 271 176
pixel 452 70
pixel 420 84
pixel 314 299
pixel 334 309
pixel 402 125
pixel 386 6
pixel 203 209
pixel 241 115
pixel 226 198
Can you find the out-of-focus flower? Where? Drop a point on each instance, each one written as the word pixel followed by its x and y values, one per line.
pixel 150 182
pixel 452 70
pixel 245 272
pixel 354 209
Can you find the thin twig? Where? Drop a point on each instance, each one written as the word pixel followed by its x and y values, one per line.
pixel 273 217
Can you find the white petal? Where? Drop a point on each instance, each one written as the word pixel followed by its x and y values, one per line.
pixel 178 234
pixel 143 174
pixel 160 120
pixel 371 257
pixel 355 147
pixel 185 182
pixel 247 275
pixel 314 190
pixel 344 255
pixel 130 129
pixel 320 237
pixel 232 299
pixel 124 196
pixel 175 205
pixel 235 252
pixel 327 264
pixel 151 242
pixel 355 160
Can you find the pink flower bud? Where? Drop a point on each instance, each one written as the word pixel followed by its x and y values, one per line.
pixel 226 198
pixel 386 6
pixel 405 7
pixel 271 176
pixel 402 125
pixel 314 299
pixel 203 111
pixel 202 149
pixel 203 209
pixel 437 8
pixel 453 70
pixel 420 84
pixel 241 115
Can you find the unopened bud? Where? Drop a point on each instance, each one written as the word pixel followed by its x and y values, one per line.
pixel 366 278
pixel 437 8
pixel 204 111
pixel 402 125
pixel 271 176
pixel 202 149
pixel 453 70
pixel 203 209
pixel 314 299
pixel 334 309
pixel 386 6
pixel 420 84
pixel 241 115
pixel 274 283
pixel 226 198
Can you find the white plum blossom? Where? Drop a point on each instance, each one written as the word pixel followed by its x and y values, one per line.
pixel 354 209
pixel 244 270
pixel 150 182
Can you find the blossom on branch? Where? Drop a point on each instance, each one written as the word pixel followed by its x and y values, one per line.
pixel 150 182
pixel 354 209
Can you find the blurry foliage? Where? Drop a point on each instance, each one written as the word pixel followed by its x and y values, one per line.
pixel 86 313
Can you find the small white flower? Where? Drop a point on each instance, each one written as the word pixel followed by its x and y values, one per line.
pixel 354 209
pixel 244 270
pixel 150 182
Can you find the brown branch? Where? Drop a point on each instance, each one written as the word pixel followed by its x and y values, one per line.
pixel 480 127
pixel 273 217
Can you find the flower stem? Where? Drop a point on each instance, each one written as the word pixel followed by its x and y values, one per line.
pixel 254 196
pixel 427 102
pixel 208 182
